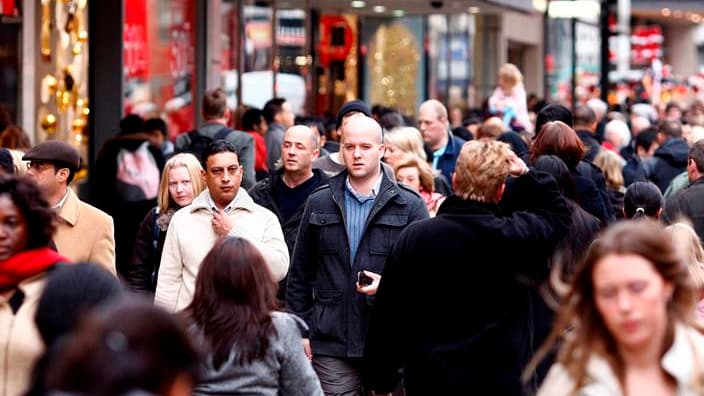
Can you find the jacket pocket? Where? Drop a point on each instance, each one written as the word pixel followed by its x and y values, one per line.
pixel 327 323
pixel 385 230
pixel 327 226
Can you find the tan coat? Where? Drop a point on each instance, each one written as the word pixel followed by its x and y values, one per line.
pixel 190 236
pixel 85 234
pixel 20 343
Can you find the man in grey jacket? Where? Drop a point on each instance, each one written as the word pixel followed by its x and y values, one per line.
pixel 216 115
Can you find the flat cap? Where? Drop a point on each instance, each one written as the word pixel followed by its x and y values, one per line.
pixel 353 105
pixel 55 151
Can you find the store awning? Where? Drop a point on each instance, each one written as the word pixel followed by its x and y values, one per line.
pixel 421 7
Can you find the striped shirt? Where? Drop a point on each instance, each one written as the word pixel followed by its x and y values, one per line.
pixel 357 209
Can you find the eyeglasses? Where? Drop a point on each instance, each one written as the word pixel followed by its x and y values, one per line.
pixel 38 166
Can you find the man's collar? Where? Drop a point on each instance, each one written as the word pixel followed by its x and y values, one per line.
pixel 242 201
pixel 375 188
pixel 61 202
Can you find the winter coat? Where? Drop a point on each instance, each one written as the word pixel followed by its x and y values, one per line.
pixel 263 194
pixel 668 161
pixel 683 361
pixel 688 203
pixel 590 143
pixel 141 275
pixel 85 233
pixel 446 310
pixel 592 195
pixel 284 369
pixel 20 342
pixel 127 215
pixel 321 285
pixel 190 237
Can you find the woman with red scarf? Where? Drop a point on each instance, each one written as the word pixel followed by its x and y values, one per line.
pixel 27 224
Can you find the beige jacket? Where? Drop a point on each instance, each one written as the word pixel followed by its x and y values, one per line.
pixel 190 236
pixel 20 342
pixel 684 361
pixel 85 233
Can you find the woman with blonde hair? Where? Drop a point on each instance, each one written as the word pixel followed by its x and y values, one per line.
pixel 417 174
pixel 686 239
pixel 626 325
pixel 509 98
pixel 612 165
pixel 181 182
pixel 402 141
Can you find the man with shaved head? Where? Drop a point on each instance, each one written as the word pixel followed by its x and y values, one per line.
pixel 285 192
pixel 346 233
pixel 442 146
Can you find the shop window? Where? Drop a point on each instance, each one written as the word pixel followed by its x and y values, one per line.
pixel 272 65
pixel 159 61
pixel 450 49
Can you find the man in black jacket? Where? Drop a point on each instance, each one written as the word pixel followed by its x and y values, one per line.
pixel 689 202
pixel 346 234
pixel 285 192
pixel 446 309
pixel 671 158
pixel 585 126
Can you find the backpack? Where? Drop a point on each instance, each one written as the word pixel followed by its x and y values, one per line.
pixel 197 143
pixel 137 174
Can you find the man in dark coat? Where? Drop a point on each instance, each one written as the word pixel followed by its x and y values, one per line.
pixel 671 158
pixel 348 228
pixel 585 126
pixel 689 202
pixel 446 309
pixel 285 192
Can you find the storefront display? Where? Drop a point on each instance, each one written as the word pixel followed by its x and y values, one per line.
pixel 62 72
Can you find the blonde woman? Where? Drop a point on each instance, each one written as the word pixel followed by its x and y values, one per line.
pixel 686 239
pixel 612 165
pixel 417 174
pixel 402 141
pixel 626 324
pixel 181 182
pixel 509 98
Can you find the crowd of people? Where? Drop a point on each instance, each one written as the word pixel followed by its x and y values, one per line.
pixel 524 249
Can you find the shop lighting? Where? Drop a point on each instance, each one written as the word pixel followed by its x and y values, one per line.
pixel 677 14
pixel 399 13
pixel 379 9
pixel 580 9
pixel 358 4
pixel 696 18
pixel 474 10
pixel 666 12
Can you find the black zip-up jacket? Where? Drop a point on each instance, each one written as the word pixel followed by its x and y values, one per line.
pixel 263 194
pixel 321 280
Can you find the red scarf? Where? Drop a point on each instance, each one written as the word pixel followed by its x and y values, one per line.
pixel 27 264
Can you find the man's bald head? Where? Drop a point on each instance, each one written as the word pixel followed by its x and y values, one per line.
pixel 302 130
pixel 436 106
pixel 362 123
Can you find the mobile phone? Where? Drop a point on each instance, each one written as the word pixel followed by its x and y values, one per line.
pixel 364 280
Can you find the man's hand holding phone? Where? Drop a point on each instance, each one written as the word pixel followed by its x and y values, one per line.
pixel 368 282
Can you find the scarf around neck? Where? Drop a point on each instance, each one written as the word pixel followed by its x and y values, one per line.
pixel 27 264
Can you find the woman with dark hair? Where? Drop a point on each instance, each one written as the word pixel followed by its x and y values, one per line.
pixel 557 138
pixel 584 226
pixel 149 353
pixel 251 348
pixel 643 199
pixel 27 224
pixel 626 324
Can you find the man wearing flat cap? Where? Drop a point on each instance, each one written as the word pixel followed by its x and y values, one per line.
pixel 84 233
